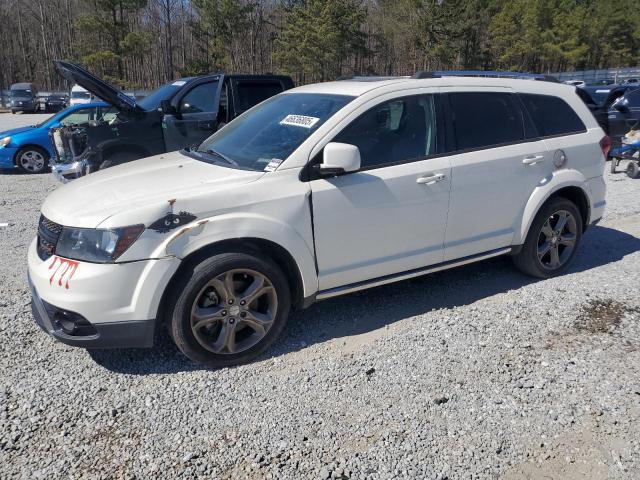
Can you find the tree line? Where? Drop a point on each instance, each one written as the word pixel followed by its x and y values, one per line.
pixel 143 43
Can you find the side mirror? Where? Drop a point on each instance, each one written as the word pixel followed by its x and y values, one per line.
pixel 339 158
pixel 622 105
pixel 167 108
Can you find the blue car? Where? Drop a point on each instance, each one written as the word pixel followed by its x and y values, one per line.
pixel 29 148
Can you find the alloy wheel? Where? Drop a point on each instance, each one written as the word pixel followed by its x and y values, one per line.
pixel 32 161
pixel 234 311
pixel 557 240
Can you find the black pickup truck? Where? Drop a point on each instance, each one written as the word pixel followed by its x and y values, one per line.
pixel 176 115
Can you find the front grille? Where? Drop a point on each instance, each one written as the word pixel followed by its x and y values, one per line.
pixel 48 233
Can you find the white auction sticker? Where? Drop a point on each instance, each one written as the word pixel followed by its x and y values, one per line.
pixel 299 121
pixel 272 165
pixel 179 83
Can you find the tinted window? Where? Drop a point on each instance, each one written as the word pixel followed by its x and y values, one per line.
pixel 399 130
pixel 485 119
pixel 79 116
pixel 552 115
pixel 200 98
pixel 252 93
pixel 633 98
pixel 165 92
pixel 274 129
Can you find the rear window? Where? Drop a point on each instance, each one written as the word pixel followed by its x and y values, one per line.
pixel 252 93
pixel 552 115
pixel 485 119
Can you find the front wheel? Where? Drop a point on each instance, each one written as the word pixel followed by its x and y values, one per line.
pixel 32 159
pixel 230 309
pixel 552 241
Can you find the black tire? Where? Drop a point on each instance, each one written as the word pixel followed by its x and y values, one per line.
pixel 614 164
pixel 118 158
pixel 190 290
pixel 633 170
pixel 528 261
pixel 40 163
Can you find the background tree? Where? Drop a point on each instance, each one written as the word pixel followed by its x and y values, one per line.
pixel 143 43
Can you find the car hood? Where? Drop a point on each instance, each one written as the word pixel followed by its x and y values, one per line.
pixel 139 191
pixel 16 131
pixel 76 74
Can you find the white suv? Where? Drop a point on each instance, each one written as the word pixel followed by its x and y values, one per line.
pixel 319 191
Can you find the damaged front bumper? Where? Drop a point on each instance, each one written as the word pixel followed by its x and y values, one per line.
pixel 64 172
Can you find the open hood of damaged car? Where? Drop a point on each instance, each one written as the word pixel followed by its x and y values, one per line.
pixel 76 74
pixel 134 192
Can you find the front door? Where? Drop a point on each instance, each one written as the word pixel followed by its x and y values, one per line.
pixel 196 117
pixel 390 216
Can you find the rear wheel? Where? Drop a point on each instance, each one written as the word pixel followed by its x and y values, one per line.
pixel 230 309
pixel 552 241
pixel 633 171
pixel 32 159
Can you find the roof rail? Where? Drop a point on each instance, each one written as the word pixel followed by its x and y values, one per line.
pixel 485 73
pixel 367 78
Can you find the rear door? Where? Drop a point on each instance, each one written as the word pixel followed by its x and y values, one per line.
pixel 496 163
pixel 196 116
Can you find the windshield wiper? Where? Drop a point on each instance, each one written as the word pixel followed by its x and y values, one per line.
pixel 211 151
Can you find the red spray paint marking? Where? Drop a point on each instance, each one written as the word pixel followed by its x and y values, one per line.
pixel 67 269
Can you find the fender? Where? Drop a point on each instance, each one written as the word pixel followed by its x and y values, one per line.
pixel 547 187
pixel 239 225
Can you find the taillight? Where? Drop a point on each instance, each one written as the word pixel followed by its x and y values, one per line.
pixel 605 146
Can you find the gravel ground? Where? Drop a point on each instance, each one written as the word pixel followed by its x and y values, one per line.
pixel 477 372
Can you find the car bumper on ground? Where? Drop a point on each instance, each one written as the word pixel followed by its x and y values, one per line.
pixel 6 157
pixel 64 172
pixel 98 305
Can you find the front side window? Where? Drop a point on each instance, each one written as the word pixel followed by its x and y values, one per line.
pixel 273 129
pixel 399 130
pixel 79 116
pixel 485 119
pixel 552 115
pixel 201 98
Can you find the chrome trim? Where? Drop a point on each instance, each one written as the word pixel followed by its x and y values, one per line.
pixel 354 287
pixel 64 172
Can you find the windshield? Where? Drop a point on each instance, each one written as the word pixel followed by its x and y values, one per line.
pixel 21 93
pixel 81 95
pixel 273 129
pixel 165 92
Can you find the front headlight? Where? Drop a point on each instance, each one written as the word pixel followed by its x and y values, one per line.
pixel 5 141
pixel 96 245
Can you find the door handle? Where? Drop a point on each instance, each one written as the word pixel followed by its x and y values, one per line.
pixel 431 179
pixel 205 125
pixel 532 160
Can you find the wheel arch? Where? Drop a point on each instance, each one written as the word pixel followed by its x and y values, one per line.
pixel 573 188
pixel 251 245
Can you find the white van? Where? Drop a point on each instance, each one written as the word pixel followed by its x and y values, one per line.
pixel 79 96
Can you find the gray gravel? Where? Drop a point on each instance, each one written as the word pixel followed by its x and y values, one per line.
pixel 477 372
